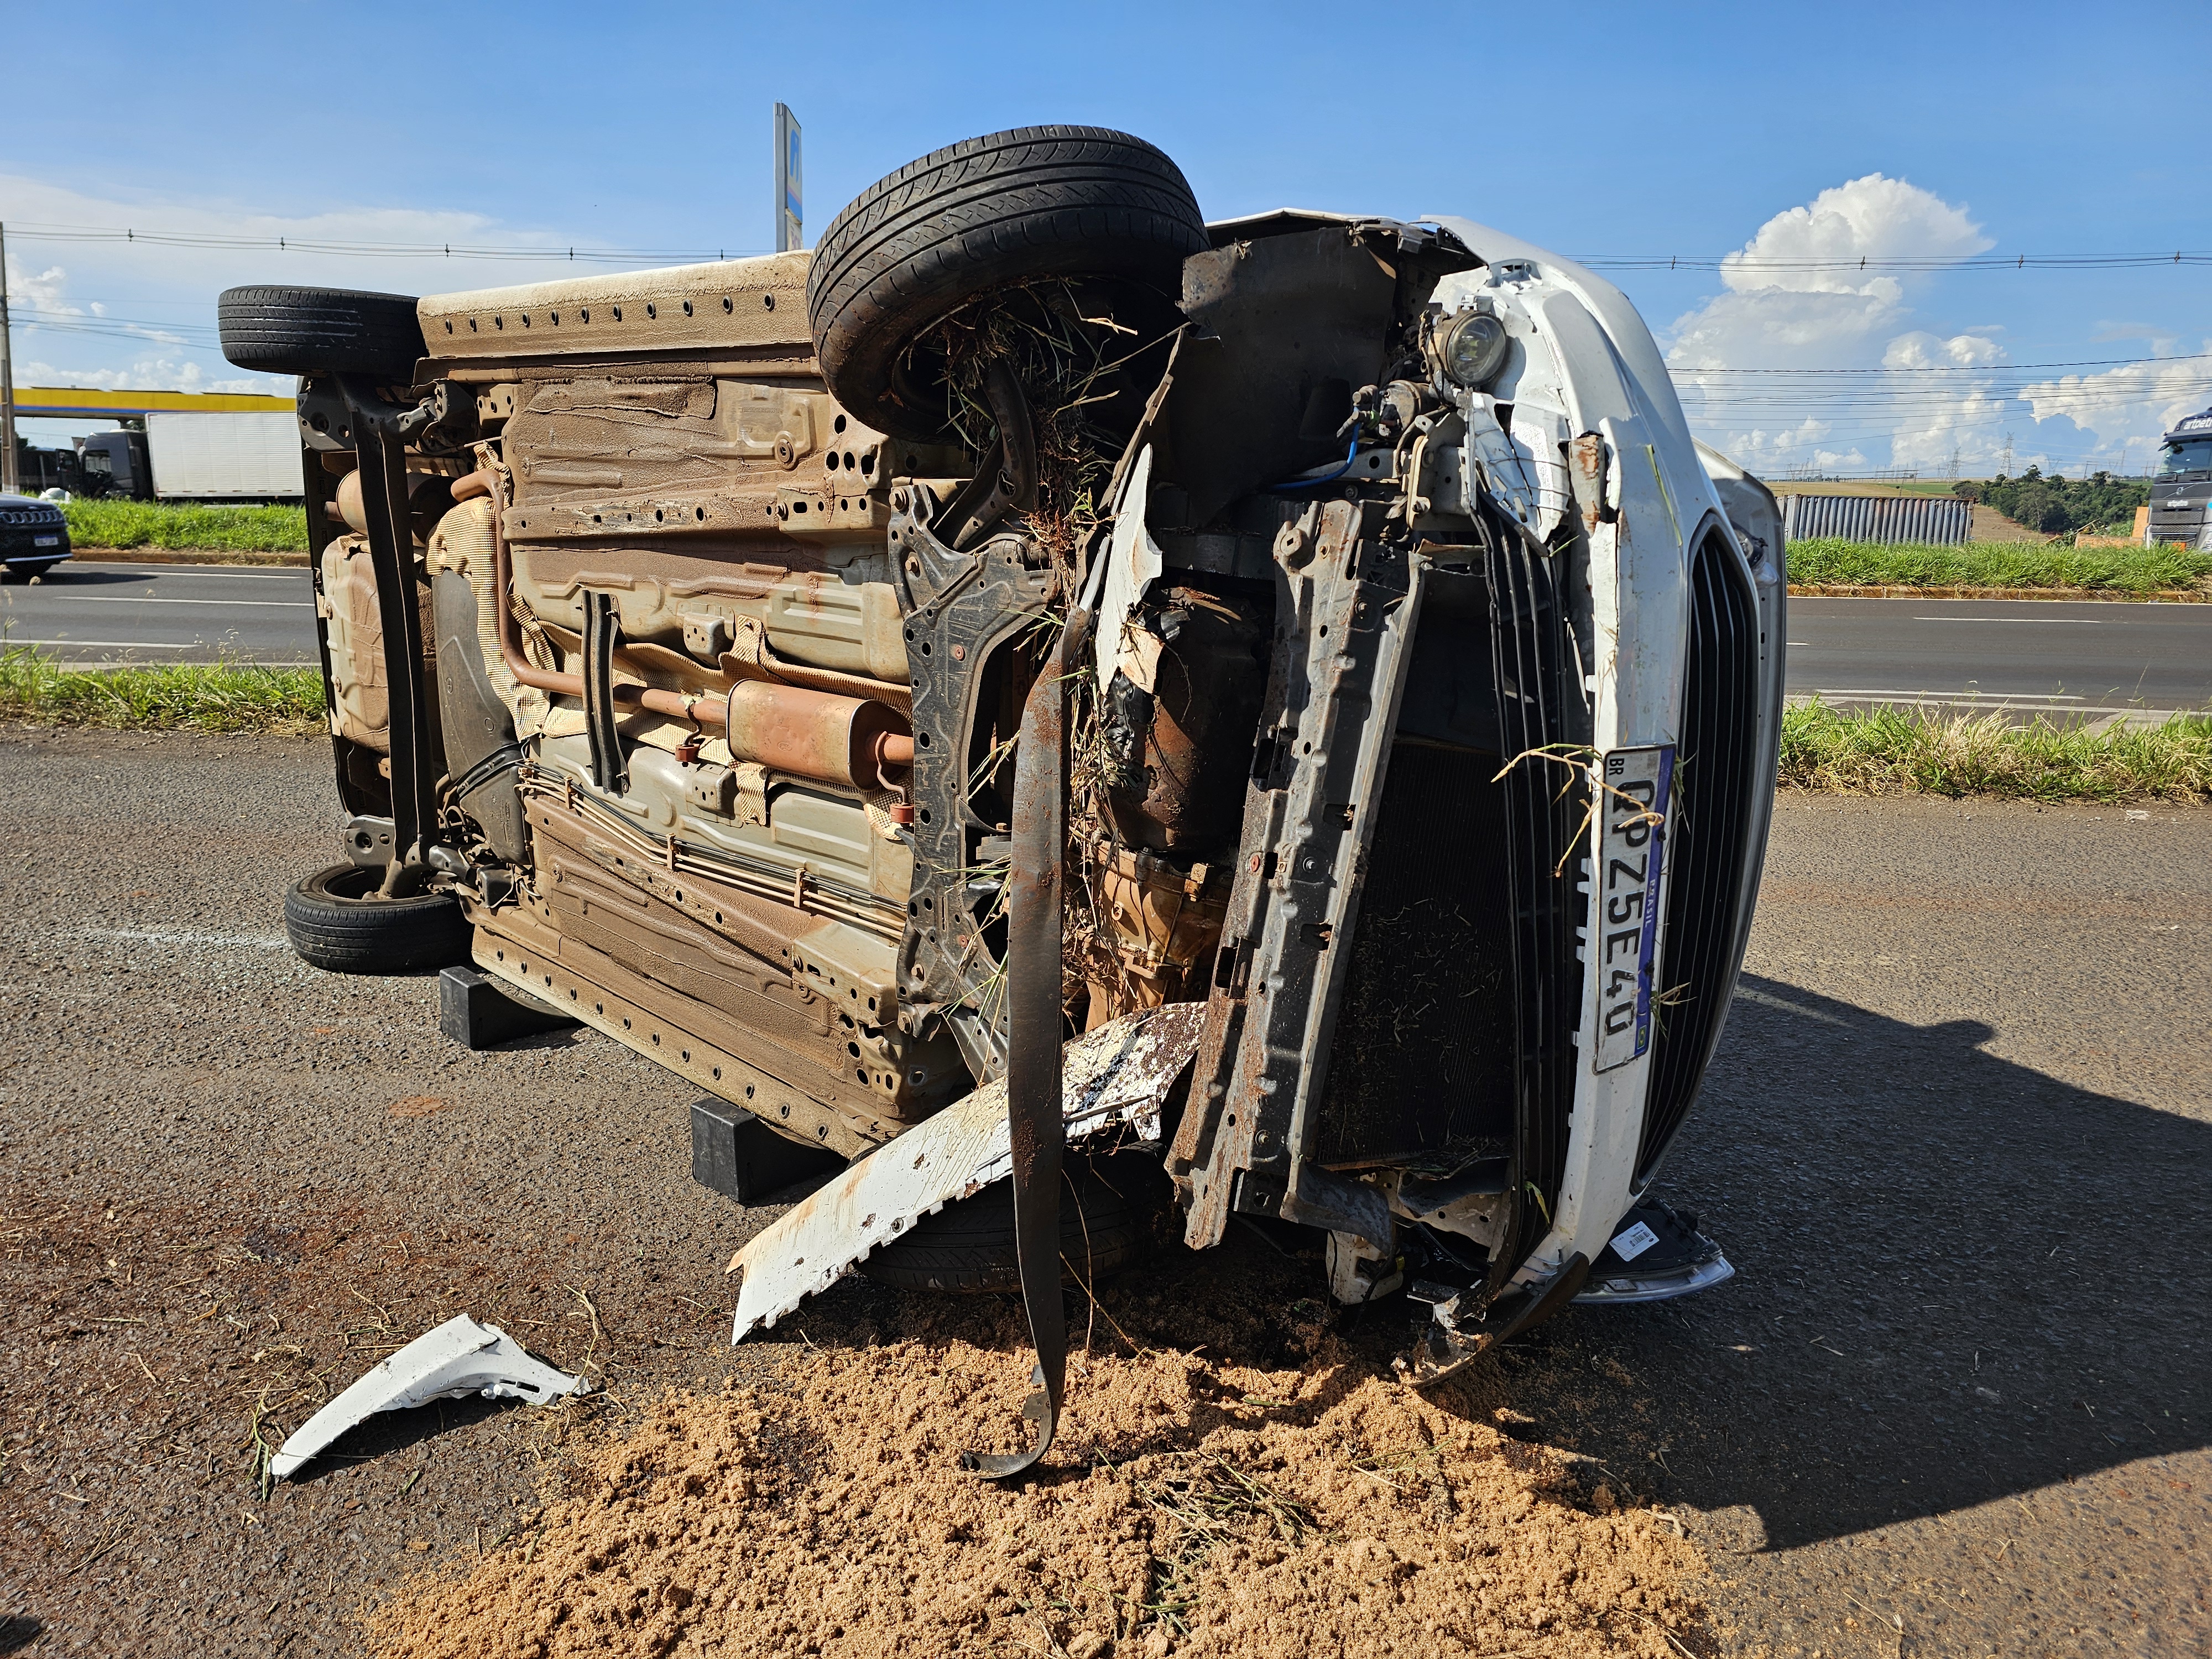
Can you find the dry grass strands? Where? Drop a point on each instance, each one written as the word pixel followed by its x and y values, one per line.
pixel 1194 1508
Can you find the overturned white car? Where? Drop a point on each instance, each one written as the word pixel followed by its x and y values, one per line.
pixel 1062 709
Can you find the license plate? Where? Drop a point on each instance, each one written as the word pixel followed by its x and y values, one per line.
pixel 1639 792
pixel 46 541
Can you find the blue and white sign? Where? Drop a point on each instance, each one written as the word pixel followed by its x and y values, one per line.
pixel 790 208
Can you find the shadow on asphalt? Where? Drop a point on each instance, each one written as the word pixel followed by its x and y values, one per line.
pixel 1960 1280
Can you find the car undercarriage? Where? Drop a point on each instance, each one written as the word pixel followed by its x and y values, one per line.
pixel 1043 695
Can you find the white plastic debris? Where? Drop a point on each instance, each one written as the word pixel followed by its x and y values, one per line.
pixel 460 1358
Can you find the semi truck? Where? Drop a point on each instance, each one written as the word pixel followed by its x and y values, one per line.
pixel 220 456
pixel 2182 487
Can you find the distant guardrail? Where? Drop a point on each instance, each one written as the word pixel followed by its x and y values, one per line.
pixel 1940 519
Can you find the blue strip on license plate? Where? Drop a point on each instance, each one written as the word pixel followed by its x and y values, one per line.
pixel 1631 854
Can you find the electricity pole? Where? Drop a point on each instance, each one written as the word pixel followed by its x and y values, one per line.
pixel 9 478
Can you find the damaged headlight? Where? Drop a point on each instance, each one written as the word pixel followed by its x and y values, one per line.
pixel 1471 348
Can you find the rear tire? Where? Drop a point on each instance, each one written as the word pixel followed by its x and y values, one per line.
pixel 321 331
pixel 1110 1210
pixel 336 923
pixel 1035 202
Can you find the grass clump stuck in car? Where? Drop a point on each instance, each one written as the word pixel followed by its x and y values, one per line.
pixel 187 527
pixel 225 696
pixel 1829 561
pixel 1892 751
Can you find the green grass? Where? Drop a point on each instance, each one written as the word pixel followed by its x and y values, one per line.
pixel 1886 752
pixel 1893 751
pixel 204 529
pixel 1826 562
pixel 212 697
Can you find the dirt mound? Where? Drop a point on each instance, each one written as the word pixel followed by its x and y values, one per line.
pixel 1191 1507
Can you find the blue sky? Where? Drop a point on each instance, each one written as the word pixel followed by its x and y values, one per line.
pixel 1930 131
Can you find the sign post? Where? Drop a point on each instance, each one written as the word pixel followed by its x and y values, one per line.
pixel 789 214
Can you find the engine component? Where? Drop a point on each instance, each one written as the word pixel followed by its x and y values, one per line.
pixel 1165 922
pixel 1180 715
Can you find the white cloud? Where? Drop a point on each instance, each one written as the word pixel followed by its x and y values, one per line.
pixel 1869 219
pixel 150 306
pixel 1919 349
pixel 1936 409
pixel 2129 408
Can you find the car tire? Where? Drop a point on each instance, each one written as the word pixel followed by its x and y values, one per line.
pixel 321 331
pixel 337 922
pixel 1110 1212
pixel 1034 202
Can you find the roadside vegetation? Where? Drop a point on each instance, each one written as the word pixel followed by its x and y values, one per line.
pixel 1894 750
pixel 208 529
pixel 1829 562
pixel 2100 503
pixel 172 696
pixel 1886 752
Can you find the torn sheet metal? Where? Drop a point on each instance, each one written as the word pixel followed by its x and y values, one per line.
pixel 460 1358
pixel 1115 1075
pixel 1133 563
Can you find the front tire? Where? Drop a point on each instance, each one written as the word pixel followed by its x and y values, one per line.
pixel 337 922
pixel 980 215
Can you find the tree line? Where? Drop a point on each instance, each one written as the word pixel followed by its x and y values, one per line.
pixel 2056 505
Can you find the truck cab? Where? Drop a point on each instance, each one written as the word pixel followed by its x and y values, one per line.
pixel 2181 487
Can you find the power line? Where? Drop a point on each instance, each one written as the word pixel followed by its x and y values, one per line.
pixel 1958 369
pixel 32 231
pixel 1891 262
pixel 369 248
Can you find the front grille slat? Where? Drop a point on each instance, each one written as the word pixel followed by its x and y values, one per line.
pixel 1539 706
pixel 1717 770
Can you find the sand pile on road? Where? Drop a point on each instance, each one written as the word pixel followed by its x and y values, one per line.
pixel 1190 1507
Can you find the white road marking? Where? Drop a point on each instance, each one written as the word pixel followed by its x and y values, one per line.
pixel 1955 696
pixel 148 599
pixel 290 573
pixel 2079 621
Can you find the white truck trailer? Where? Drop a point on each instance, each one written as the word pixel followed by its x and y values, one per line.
pixel 224 457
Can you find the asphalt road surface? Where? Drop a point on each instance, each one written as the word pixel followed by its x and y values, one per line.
pixel 1957 1143
pixel 85 611
pixel 2095 659
pixel 2049 655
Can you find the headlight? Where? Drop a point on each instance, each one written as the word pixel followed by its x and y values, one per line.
pixel 1472 348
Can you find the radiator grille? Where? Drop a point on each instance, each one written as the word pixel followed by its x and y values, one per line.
pixel 1716 775
pixel 1420 1069
pixel 1541 704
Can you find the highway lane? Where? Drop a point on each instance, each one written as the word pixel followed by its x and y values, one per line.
pixel 91 612
pixel 2090 657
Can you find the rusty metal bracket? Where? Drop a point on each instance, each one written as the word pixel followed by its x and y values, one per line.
pixel 1036 1025
pixel 602 633
pixel 380 431
pixel 960 612
pixel 1007 479
pixel 1346 622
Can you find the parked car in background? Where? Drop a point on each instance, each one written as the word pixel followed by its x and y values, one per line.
pixel 33 537
pixel 1277 718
